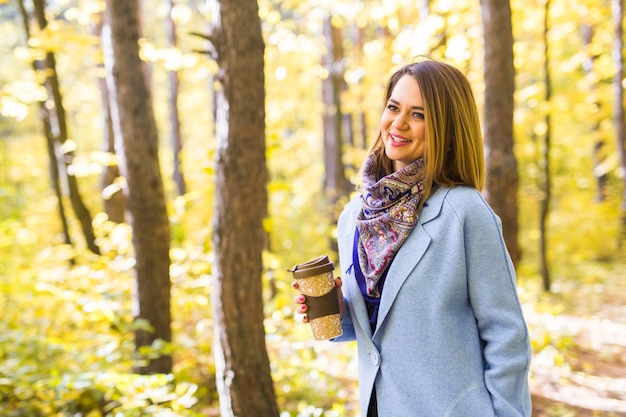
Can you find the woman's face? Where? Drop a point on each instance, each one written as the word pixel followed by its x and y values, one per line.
pixel 403 125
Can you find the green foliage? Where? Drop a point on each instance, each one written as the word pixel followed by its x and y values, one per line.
pixel 66 334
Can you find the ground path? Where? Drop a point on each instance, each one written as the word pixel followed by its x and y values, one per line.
pixel 579 368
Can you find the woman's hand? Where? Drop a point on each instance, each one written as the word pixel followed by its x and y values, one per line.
pixel 302 308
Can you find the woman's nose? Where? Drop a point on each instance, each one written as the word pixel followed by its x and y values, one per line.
pixel 400 121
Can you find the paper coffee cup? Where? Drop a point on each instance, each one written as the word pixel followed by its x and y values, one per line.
pixel 317 282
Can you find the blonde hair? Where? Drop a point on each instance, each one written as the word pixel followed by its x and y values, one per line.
pixel 454 145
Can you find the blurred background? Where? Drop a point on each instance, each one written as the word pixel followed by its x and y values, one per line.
pixel 67 262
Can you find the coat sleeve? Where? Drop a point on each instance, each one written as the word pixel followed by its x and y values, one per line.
pixel 494 300
pixel 345 230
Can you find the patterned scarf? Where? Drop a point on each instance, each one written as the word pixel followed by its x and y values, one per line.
pixel 388 216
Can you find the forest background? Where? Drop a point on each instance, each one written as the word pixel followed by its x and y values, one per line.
pixel 66 325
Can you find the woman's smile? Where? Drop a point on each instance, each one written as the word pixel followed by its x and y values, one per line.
pixel 398 140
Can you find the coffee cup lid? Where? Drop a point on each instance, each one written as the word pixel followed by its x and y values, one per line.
pixel 314 267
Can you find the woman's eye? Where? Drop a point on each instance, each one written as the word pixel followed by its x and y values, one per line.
pixel 392 107
pixel 418 115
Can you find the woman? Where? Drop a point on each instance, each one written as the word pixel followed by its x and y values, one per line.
pixel 428 283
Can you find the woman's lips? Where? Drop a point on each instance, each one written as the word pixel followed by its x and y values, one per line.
pixel 398 140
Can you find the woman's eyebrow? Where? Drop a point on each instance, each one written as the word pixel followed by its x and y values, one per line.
pixel 397 102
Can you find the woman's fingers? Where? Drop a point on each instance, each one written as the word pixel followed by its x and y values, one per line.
pixel 301 308
pixel 342 306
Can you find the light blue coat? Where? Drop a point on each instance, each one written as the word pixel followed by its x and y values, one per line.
pixel 451 340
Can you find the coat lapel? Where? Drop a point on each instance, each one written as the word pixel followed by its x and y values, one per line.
pixel 350 286
pixel 409 254
pixel 359 310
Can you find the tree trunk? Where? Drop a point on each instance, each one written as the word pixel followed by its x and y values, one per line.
pixel 361 133
pixel 618 104
pixel 243 375
pixel 112 189
pixel 137 149
pixel 502 177
pixel 336 184
pixel 58 127
pixel 545 163
pixel 599 147
pixel 112 195
pixel 424 8
pixel 55 176
pixel 176 140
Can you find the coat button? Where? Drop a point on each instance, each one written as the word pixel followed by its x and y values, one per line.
pixel 375 358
